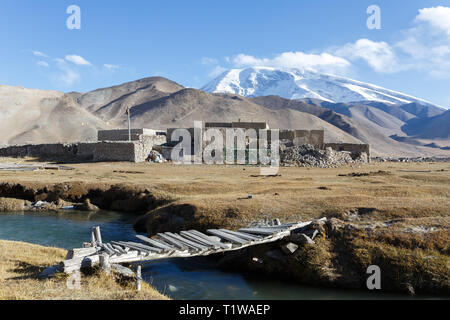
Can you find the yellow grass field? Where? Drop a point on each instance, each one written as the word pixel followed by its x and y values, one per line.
pixel 21 263
pixel 395 214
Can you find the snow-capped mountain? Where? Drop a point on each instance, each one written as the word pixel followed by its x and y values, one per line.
pixel 298 84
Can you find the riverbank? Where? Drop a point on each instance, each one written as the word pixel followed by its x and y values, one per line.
pixel 395 215
pixel 21 264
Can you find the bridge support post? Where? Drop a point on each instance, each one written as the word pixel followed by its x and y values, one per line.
pixel 138 277
pixel 105 264
pixel 98 236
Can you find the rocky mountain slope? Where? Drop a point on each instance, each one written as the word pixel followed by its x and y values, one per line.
pixel 369 124
pixel 37 116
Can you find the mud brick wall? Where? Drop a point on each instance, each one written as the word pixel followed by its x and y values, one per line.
pixel 315 138
pixel 122 134
pixel 350 147
pixel 134 151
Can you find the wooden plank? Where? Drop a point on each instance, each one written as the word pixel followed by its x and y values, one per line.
pixel 118 252
pixel 165 243
pixel 188 242
pixel 131 247
pixel 208 238
pixel 228 236
pixel 107 249
pixel 78 263
pixel 123 251
pixel 262 231
pixel 198 239
pixel 143 246
pixel 79 253
pixel 121 246
pixel 129 257
pixel 175 242
pixel 155 243
pixel 242 235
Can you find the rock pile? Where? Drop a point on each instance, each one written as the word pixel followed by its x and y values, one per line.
pixel 155 157
pixel 308 156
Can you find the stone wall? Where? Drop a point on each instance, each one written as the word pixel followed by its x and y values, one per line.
pixel 315 138
pixel 251 125
pixel 82 151
pixel 134 151
pixel 350 147
pixel 122 135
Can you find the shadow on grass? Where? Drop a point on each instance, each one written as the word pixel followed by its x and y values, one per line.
pixel 26 270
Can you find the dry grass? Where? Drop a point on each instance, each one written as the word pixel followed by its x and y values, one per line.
pixel 217 193
pixel 20 264
pixel 406 198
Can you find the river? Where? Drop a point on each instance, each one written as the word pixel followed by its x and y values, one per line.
pixel 193 278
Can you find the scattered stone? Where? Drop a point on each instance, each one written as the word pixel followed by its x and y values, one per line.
pixel 409 289
pixel 308 156
pixel 12 205
pixel 257 260
pixel 123 271
pixel 301 238
pixel 366 174
pixel 40 204
pixel 289 248
pixel 416 159
pixel 86 206
pixel 156 157
pixel 334 224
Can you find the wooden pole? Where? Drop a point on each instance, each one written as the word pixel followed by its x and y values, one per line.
pixel 93 242
pixel 98 236
pixel 105 264
pixel 138 277
pixel 129 124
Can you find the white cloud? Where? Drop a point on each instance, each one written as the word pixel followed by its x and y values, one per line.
pixel 78 60
pixel 214 66
pixel 209 61
pixel 40 54
pixel 323 62
pixel 437 17
pixel 425 47
pixel 111 66
pixel 218 70
pixel 379 55
pixel 66 75
pixel 43 64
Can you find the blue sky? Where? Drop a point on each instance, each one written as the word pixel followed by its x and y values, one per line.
pixel 190 42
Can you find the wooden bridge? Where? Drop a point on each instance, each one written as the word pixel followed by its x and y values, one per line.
pixel 186 244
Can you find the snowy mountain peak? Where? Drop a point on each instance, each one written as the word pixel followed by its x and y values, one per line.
pixel 303 83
